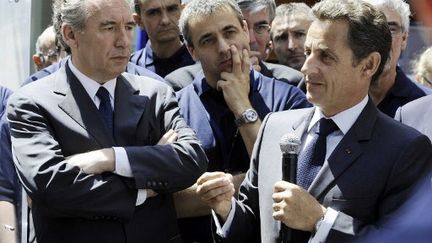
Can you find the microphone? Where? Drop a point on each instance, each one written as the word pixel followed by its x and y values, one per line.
pixel 290 146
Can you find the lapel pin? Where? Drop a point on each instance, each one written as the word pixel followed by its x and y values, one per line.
pixel 348 151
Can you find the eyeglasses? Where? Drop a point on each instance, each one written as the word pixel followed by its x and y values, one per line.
pixel 261 29
pixel 395 28
pixel 52 54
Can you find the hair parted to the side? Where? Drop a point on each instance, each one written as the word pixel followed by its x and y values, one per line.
pixel 368 30
pixel 73 13
pixel 204 8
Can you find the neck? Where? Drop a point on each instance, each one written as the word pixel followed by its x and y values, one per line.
pixel 166 49
pixel 379 90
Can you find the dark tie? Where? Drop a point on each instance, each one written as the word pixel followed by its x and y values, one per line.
pixel 312 158
pixel 105 108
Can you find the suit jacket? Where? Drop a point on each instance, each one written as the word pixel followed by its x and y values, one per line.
pixel 182 77
pixel 417 114
pixel 55 118
pixel 367 177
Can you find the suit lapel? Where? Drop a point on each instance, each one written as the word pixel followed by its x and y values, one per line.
pixel 346 152
pixel 78 105
pixel 128 109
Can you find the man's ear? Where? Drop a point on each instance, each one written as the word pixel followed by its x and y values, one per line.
pixel 137 18
pixel 69 35
pixel 404 40
pixel 191 50
pixel 37 60
pixel 370 64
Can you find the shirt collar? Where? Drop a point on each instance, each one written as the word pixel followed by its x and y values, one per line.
pixel 91 86
pixel 344 120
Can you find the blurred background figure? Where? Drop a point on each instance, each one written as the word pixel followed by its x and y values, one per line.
pixel 288 33
pixel 47 52
pixel 422 68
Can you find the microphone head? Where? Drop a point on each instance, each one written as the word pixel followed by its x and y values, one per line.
pixel 290 144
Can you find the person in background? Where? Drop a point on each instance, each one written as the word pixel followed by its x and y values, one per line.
pixel 344 187
pixel 288 33
pixel 422 68
pixel 258 15
pixel 226 103
pixel 394 88
pixel 8 198
pixel 99 151
pixel 164 51
pixel 57 24
pixel 47 52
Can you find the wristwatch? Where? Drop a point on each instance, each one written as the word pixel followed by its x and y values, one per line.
pixel 248 116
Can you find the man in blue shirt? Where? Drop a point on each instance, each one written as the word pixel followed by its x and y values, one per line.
pixel 226 102
pixel 394 89
pixel 164 51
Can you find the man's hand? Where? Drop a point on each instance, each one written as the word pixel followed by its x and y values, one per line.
pixel 94 162
pixel 216 189
pixel 255 59
pixel 236 84
pixel 168 138
pixel 295 207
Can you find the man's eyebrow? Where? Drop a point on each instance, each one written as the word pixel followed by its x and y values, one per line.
pixel 393 23
pixel 261 22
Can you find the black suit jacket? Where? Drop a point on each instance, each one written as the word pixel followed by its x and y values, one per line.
pixel 367 177
pixel 55 118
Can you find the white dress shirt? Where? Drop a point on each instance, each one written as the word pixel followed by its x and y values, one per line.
pixel 122 165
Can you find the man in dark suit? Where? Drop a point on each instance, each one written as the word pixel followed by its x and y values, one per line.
pixel 356 165
pixel 100 152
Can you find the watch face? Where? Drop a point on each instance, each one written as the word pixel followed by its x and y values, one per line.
pixel 251 116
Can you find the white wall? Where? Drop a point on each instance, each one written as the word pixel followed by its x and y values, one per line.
pixel 15 16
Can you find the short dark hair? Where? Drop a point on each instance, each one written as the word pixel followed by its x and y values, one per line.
pixel 368 30
pixel 202 9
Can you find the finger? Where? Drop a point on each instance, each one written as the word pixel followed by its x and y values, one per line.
pixel 246 62
pixel 209 176
pixel 236 60
pixel 254 55
pixel 164 138
pixel 172 138
pixel 217 192
pixel 281 186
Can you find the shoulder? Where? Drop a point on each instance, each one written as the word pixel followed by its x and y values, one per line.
pixel 284 73
pixel 144 84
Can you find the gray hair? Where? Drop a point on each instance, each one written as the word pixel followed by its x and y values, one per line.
pixel 202 9
pixel 288 9
pixel 368 30
pixel 258 5
pixel 73 13
pixel 422 66
pixel 400 6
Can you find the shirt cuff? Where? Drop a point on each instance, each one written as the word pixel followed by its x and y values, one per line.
pixel 325 227
pixel 222 230
pixel 122 165
pixel 141 196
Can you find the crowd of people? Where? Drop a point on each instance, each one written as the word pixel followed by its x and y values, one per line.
pixel 181 141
